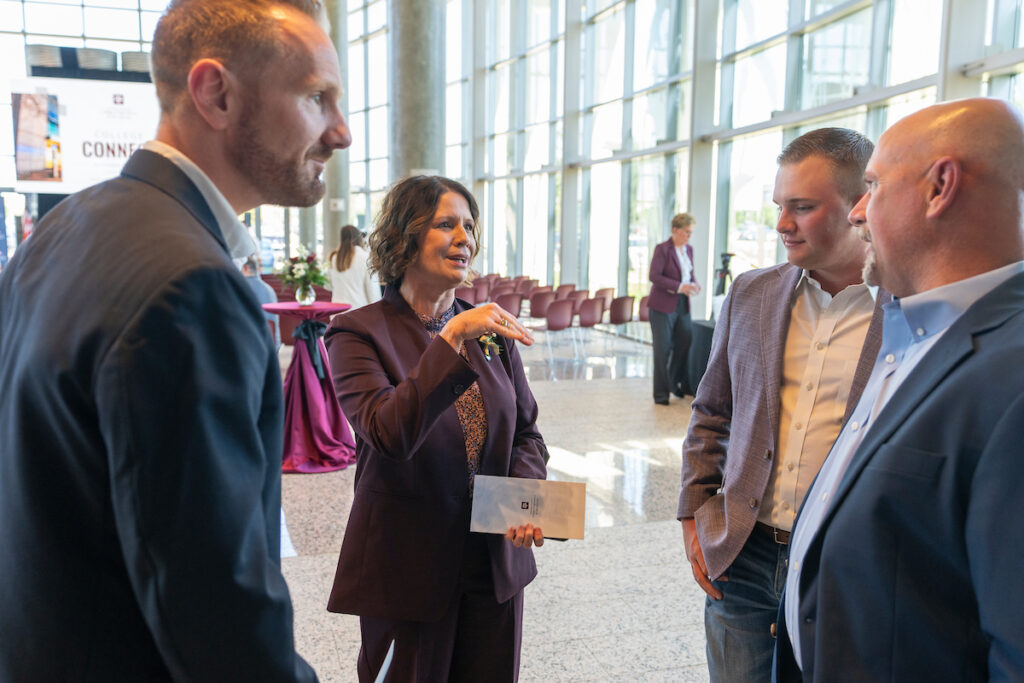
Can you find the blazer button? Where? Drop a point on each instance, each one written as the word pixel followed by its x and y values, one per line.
pixel 458 389
pixel 768 454
pixel 753 503
pixel 808 620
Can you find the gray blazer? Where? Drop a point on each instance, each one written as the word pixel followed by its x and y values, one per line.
pixel 730 448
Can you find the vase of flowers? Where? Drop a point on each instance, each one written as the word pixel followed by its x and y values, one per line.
pixel 301 273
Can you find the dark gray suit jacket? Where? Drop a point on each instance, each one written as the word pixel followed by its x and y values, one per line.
pixel 403 545
pixel 140 447
pixel 915 574
pixel 734 429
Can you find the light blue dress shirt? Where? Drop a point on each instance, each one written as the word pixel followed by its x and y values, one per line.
pixel 910 328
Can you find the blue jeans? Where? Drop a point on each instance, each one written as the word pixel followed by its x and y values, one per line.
pixel 738 627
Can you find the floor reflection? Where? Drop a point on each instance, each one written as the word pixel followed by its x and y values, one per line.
pixel 602 353
pixel 602 427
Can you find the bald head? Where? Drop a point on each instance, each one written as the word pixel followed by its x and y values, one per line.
pixel 946 187
pixel 986 136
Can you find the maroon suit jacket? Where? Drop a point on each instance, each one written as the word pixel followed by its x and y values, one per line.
pixel 409 522
pixel 665 274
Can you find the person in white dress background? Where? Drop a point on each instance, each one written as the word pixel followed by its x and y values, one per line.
pixel 351 279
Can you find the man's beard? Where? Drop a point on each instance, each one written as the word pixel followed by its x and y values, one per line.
pixel 870 271
pixel 278 180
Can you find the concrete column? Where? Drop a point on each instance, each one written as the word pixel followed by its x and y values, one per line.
pixel 336 201
pixel 962 42
pixel 416 40
pixel 709 238
pixel 573 268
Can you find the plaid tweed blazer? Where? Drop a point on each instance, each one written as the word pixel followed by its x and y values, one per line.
pixel 730 449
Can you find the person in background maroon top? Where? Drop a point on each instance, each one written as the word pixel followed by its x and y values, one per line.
pixel 673 282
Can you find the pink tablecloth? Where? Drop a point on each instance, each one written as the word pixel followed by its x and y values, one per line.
pixel 317 437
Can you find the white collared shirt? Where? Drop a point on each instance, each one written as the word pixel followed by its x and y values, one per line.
pixel 823 345
pixel 236 235
pixel 685 265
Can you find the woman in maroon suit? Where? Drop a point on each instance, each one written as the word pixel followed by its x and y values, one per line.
pixel 672 284
pixel 432 406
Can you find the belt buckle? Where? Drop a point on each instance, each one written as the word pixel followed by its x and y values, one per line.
pixel 781 537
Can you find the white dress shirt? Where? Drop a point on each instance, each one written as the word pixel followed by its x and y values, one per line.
pixel 236 236
pixel 823 345
pixel 911 327
pixel 685 266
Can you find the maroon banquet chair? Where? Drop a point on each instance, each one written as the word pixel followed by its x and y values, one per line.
pixel 605 294
pixel 563 291
pixel 539 303
pixel 503 288
pixel 511 302
pixel 483 290
pixel 467 294
pixel 577 297
pixel 590 314
pixel 621 311
pixel 559 317
pixel 645 309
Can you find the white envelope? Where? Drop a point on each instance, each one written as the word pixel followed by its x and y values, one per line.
pixel 557 507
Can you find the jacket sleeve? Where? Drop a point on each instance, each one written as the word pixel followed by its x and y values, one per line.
pixel 704 450
pixel 529 453
pixel 393 419
pixel 994 569
pixel 657 271
pixel 195 495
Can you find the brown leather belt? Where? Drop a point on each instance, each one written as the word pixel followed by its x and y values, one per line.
pixel 780 536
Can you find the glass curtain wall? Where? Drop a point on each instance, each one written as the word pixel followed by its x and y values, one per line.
pixel 789 66
pixel 628 109
pixel 367 87
pixel 575 122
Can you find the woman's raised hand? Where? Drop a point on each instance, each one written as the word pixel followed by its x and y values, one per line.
pixel 487 319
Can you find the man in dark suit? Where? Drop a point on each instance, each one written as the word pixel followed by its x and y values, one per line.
pixel 907 555
pixel 673 282
pixel 793 348
pixel 141 410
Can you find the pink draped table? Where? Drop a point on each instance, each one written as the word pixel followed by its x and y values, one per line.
pixel 317 437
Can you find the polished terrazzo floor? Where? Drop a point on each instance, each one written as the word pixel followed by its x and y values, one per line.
pixel 619 605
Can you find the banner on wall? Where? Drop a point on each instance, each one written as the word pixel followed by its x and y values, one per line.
pixel 73 133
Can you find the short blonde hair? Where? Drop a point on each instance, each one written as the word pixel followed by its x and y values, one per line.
pixel 681 220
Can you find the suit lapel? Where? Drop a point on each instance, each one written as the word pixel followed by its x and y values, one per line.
pixel 775 312
pixel 673 259
pixel 158 171
pixel 868 354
